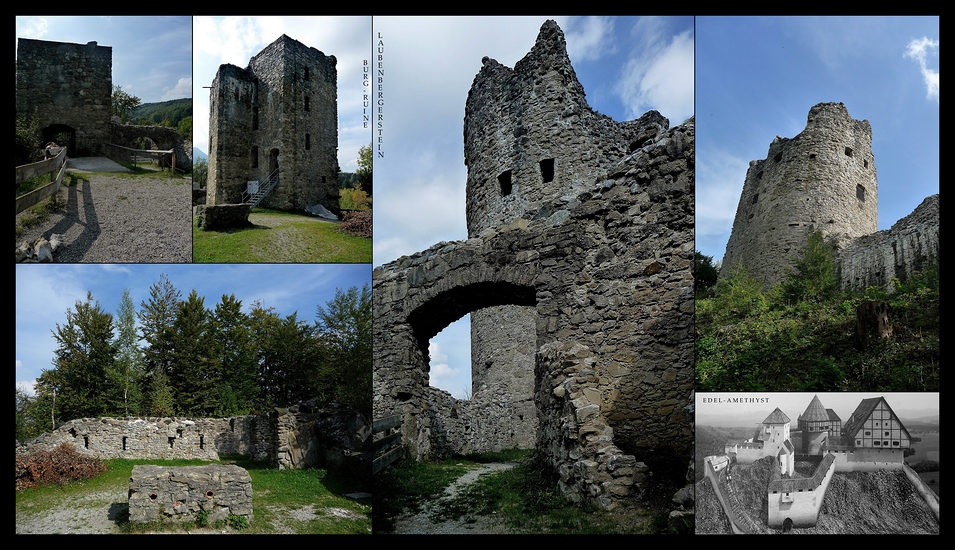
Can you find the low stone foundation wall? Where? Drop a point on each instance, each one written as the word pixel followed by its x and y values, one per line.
pixel 222 216
pixel 181 493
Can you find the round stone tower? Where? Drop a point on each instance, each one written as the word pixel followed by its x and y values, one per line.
pixel 823 179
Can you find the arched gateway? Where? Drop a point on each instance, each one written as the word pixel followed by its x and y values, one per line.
pixel 580 256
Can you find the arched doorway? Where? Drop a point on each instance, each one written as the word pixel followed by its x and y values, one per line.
pixel 62 135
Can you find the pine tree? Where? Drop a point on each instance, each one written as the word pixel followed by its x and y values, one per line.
pixel 157 318
pixel 236 358
pixel 84 355
pixel 344 328
pixel 193 373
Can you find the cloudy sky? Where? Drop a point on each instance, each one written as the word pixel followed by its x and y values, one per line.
pixel 627 65
pixel 750 409
pixel 152 56
pixel 45 291
pixel 757 77
pixel 235 40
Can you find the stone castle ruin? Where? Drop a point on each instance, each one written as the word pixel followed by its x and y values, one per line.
pixel 577 276
pixel 69 87
pixel 306 435
pixel 273 130
pixel 824 179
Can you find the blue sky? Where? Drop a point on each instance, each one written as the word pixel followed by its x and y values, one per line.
pixel 627 65
pixel 757 77
pixel 235 40
pixel 45 291
pixel 152 56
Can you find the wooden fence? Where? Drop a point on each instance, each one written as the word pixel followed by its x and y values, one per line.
pixel 388 444
pixel 55 166
pixel 128 155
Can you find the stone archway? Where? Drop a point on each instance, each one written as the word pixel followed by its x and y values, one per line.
pixel 61 134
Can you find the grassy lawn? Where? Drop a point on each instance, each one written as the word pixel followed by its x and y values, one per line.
pixel 284 501
pixel 280 237
pixel 524 499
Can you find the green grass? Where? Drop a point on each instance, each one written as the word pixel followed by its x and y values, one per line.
pixel 280 237
pixel 316 497
pixel 524 499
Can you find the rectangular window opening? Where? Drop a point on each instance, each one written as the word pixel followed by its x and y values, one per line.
pixel 505 180
pixel 547 170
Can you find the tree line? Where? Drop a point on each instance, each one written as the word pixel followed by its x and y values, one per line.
pixel 187 359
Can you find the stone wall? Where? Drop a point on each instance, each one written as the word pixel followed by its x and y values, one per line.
pixel 306 435
pixel 910 245
pixel 607 274
pixel 823 179
pixel 70 87
pixel 127 135
pixel 280 111
pixel 182 493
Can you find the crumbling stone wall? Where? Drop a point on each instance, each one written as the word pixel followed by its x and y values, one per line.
pixel 127 135
pixel 70 88
pixel 823 179
pixel 181 493
pixel 607 273
pixel 310 434
pixel 910 245
pixel 280 111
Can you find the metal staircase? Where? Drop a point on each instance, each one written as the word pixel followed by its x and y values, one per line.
pixel 265 188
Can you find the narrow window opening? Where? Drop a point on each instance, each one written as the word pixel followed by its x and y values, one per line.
pixel 171 441
pixel 755 198
pixel 306 103
pixel 86 441
pixel 865 164
pixel 860 193
pixel 202 442
pixel 778 157
pixel 255 157
pixel 306 73
pixel 848 151
pixel 308 141
pixel 323 179
pixel 547 170
pixel 505 180
pixel 124 442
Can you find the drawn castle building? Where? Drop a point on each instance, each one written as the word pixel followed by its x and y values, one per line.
pixel 873 438
pixel 273 129
pixel 70 88
pixel 824 179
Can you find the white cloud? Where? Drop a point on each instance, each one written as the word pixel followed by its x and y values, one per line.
pixel 919 49
pixel 589 38
pixel 183 89
pixel 661 78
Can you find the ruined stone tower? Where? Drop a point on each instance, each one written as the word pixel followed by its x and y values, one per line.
pixel 823 179
pixel 70 88
pixel 529 137
pixel 279 114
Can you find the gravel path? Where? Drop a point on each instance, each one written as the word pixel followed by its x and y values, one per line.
pixel 422 524
pixel 110 218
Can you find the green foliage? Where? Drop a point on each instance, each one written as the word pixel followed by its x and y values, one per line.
pixel 202 518
pixel 354 198
pixel 739 294
pixel 127 370
pixel 344 327
pixel 705 273
pixel 172 112
pixel 802 339
pixel 84 355
pixel 200 172
pixel 237 522
pixel 28 144
pixel 123 103
pixel 161 401
pixel 185 128
pixel 365 168
pixel 814 275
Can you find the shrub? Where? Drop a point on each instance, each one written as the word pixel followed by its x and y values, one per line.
pixel 358 224
pixel 62 465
